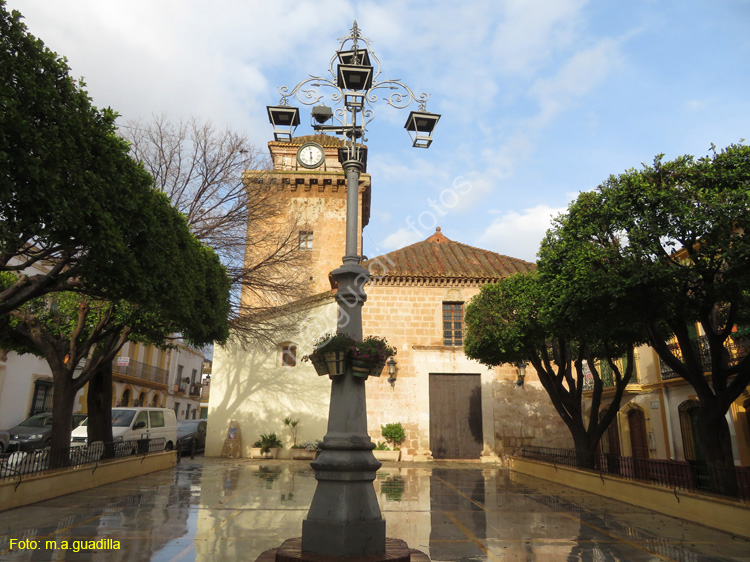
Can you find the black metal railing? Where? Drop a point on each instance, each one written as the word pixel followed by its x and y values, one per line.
pixel 607 375
pixel 685 475
pixel 19 464
pixel 142 371
pixel 738 347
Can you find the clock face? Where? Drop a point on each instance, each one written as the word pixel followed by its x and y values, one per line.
pixel 310 155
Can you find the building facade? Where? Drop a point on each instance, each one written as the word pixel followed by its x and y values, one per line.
pixel 450 406
pixel 657 413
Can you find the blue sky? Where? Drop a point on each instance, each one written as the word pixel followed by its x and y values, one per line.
pixel 540 99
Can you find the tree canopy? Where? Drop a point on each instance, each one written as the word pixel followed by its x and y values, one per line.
pixel 518 320
pixel 90 253
pixel 667 247
pixel 70 196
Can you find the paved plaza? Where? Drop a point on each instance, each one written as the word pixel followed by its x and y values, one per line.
pixel 219 509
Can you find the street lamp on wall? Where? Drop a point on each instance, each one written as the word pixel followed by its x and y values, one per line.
pixel 391 364
pixel 521 373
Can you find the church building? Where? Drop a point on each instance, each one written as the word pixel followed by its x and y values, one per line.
pixel 450 406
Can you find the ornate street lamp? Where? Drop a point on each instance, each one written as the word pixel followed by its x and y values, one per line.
pixel 344 518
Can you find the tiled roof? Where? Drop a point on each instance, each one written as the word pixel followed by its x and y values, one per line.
pixel 440 257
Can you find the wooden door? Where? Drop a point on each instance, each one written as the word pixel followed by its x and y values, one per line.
pixel 638 443
pixel 638 439
pixel 455 416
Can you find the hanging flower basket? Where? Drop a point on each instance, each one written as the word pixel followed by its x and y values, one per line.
pixel 330 353
pixel 368 357
pixel 319 362
pixel 336 362
pixel 367 367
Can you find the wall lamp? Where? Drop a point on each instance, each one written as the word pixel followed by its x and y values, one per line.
pixel 391 364
pixel 521 372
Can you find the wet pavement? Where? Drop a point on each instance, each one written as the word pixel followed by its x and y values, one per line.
pixel 219 509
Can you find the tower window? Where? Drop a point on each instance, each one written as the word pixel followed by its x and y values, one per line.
pixel 453 322
pixel 288 355
pixel 305 240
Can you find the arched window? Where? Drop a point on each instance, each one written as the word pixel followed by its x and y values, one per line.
pixel 125 400
pixel 288 355
pixel 155 401
pixel 141 400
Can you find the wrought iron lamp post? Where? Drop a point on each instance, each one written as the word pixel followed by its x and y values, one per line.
pixel 344 518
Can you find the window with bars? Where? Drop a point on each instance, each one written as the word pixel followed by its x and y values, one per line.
pixel 288 355
pixel 453 323
pixel 305 240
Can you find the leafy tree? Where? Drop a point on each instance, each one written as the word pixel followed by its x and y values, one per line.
pixel 82 224
pixel 673 248
pixel 517 320
pixel 79 336
pixel 67 182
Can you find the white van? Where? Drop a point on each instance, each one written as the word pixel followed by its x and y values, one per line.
pixel 130 424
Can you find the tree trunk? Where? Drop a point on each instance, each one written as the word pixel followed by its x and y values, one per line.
pixel 62 420
pixel 100 408
pixel 585 448
pixel 716 444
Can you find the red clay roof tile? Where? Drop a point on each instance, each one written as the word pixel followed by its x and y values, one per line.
pixel 440 257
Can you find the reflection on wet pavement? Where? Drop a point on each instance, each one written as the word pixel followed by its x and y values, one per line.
pixel 218 509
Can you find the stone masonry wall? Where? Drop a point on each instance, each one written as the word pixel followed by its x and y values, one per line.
pixel 410 317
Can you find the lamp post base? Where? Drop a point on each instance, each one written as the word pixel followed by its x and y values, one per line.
pixel 396 550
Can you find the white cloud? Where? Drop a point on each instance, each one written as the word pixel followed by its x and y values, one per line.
pixel 695 105
pixel 519 234
pixel 401 238
pixel 530 32
pixel 581 74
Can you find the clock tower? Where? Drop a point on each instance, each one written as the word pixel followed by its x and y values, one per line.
pixel 309 186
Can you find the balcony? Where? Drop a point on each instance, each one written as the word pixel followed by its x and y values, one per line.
pixel 607 375
pixel 195 390
pixel 738 347
pixel 141 370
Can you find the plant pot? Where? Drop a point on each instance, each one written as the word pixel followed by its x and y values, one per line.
pixel 320 364
pixel 390 456
pixel 336 361
pixel 366 367
pixel 304 454
pixel 255 453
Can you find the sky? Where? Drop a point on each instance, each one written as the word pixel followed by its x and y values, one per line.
pixel 540 99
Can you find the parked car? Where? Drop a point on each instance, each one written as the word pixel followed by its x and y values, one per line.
pixel 4 441
pixel 191 435
pixel 134 423
pixel 34 433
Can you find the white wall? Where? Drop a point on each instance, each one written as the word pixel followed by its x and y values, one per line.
pixel 17 376
pixel 252 388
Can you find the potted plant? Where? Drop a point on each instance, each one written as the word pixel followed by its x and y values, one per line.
pixel 267 447
pixel 292 425
pixel 330 353
pixel 368 357
pixel 383 453
pixel 393 433
pixel 306 451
